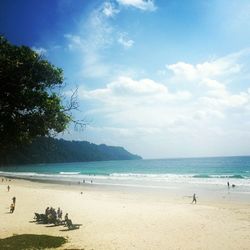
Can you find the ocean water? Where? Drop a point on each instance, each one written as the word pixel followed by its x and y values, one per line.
pixel 214 171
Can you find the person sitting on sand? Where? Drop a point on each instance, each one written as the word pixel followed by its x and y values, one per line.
pixel 66 217
pixel 194 199
pixel 53 213
pixel 67 220
pixel 12 208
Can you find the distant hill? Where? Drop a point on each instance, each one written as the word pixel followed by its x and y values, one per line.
pixel 50 150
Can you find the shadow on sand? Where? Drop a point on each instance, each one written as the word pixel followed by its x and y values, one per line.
pixel 74 227
pixel 31 241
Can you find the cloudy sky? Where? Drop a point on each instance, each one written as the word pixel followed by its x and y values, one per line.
pixel 162 78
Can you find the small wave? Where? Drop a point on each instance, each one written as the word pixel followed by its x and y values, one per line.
pixel 202 176
pixel 142 175
pixel 237 176
pixel 19 173
pixel 70 173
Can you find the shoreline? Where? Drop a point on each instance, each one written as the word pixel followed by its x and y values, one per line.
pixel 209 193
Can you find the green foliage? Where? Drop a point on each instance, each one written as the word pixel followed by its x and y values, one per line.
pixel 29 105
pixel 31 241
pixel 49 150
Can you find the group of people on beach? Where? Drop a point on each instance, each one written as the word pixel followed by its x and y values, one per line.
pixel 51 213
pixel 228 185
pixel 194 195
pixel 13 205
pixel 5 179
pixel 56 215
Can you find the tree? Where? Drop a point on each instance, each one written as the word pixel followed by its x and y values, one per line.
pixel 30 105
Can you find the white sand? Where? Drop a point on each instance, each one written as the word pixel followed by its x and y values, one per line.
pixel 121 219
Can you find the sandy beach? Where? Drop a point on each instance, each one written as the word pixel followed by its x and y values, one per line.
pixel 121 218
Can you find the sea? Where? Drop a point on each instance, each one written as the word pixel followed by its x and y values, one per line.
pixel 156 173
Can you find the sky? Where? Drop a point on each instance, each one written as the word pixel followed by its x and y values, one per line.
pixel 161 78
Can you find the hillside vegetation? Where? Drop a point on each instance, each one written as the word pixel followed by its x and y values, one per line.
pixel 50 150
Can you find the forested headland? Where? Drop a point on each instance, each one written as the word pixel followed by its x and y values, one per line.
pixel 50 150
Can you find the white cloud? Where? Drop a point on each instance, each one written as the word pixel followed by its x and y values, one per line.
pixel 93 39
pixel 128 86
pixel 226 100
pixel 109 9
pixel 213 84
pixel 40 50
pixel 96 37
pixel 213 100
pixel 128 91
pixel 210 69
pixel 210 81
pixel 146 5
pixel 125 41
pixel 74 41
pixel 204 114
pixel 99 34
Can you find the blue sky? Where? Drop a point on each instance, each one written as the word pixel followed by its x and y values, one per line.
pixel 162 78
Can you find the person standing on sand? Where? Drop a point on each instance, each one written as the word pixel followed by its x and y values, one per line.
pixel 59 213
pixel 228 184
pixel 14 200
pixel 12 208
pixel 194 199
pixel 8 188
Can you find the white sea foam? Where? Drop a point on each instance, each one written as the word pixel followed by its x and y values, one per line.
pixel 134 178
pixel 69 173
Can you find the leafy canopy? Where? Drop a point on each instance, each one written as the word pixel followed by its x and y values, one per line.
pixel 30 106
